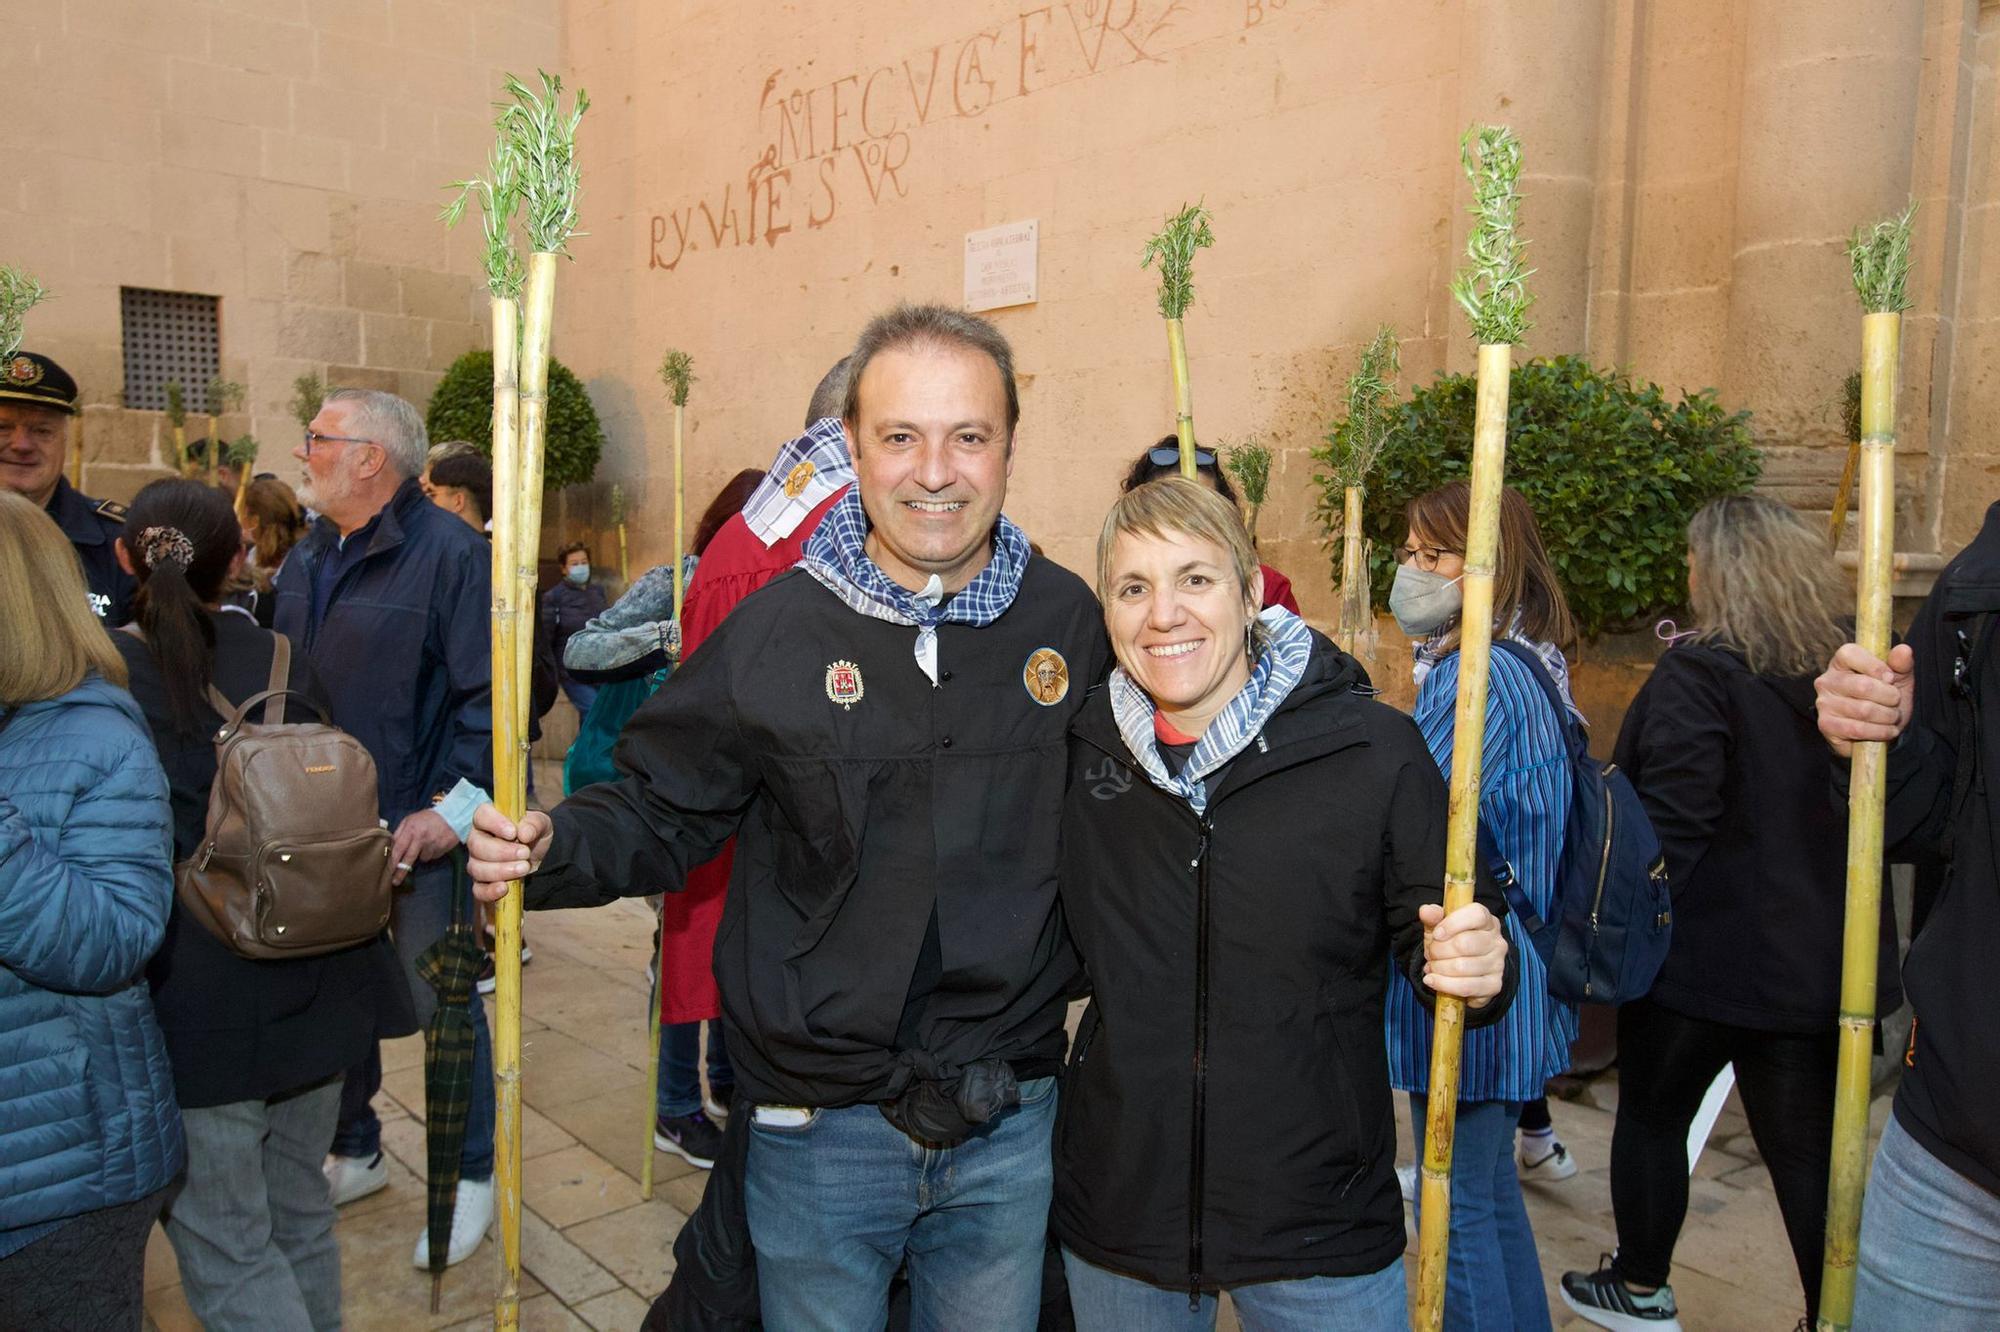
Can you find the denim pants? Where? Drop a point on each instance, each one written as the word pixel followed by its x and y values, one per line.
pixel 1107 1301
pixel 838 1204
pixel 1493 1277
pixel 1930 1245
pixel 580 695
pixel 678 1091
pixel 419 917
pixel 253 1225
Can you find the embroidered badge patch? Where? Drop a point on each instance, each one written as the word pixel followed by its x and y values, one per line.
pixel 23 372
pixel 1047 676
pixel 799 478
pixel 843 683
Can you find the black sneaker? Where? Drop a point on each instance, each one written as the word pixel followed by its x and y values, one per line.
pixel 1603 1298
pixel 693 1137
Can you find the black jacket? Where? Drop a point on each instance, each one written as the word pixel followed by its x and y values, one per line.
pixel 237 1029
pixel 404 651
pixel 1731 769
pixel 566 608
pixel 876 811
pixel 91 526
pixel 1951 1073
pixel 1226 1113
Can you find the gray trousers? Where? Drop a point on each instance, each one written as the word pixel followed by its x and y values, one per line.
pixel 253 1227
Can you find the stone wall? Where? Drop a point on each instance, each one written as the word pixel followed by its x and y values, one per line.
pixel 283 155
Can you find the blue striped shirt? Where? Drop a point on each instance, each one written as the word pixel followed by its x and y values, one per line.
pixel 1524 793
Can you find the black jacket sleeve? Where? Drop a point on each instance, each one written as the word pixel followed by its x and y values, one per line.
pixel 1413 875
pixel 462 629
pixel 1675 742
pixel 687 776
pixel 1922 764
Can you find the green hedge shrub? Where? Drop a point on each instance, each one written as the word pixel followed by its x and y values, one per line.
pixel 1613 469
pixel 462 408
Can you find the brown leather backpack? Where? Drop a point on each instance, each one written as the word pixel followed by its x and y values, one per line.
pixel 295 860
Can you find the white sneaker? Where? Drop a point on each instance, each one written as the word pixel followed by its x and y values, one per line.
pixel 1406 1176
pixel 471 1217
pixel 1548 1168
pixel 351 1177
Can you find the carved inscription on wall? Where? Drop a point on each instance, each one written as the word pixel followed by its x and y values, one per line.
pixel 830 147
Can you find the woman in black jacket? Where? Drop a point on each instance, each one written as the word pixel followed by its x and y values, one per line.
pixel 1722 747
pixel 257 1047
pixel 1250 842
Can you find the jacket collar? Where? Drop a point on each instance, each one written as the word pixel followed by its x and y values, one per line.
pixel 73 511
pixel 1320 715
pixel 1972 580
pixel 391 524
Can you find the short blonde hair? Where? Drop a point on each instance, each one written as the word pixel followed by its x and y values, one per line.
pixel 1176 506
pixel 52 640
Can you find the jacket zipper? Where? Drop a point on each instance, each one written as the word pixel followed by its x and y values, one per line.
pixel 1197 1132
pixel 1603 871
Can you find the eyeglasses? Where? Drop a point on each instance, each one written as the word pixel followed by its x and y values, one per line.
pixel 314 437
pixel 1425 556
pixel 1166 455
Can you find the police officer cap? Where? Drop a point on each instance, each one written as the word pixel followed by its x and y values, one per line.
pixel 31 377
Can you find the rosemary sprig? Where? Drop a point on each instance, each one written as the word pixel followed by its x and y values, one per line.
pixel 1493 286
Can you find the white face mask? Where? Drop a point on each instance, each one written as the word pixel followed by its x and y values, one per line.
pixel 578 574
pixel 1421 601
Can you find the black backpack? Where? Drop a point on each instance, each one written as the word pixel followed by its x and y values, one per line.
pixel 1612 916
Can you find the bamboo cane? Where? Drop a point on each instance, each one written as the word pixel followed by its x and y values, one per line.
pixel 1353 573
pixel 1350 450
pixel 618 524
pixel 677 373
pixel 76 450
pixel 243 456
pixel 1174 246
pixel 1881 266
pixel 1250 463
pixel 1843 493
pixel 1493 291
pixel 223 396
pixel 177 423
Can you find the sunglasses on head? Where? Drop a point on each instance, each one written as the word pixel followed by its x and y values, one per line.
pixel 1167 455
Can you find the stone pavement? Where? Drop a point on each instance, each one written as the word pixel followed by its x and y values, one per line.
pixel 595 1254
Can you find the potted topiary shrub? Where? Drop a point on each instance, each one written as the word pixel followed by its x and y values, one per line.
pixel 462 408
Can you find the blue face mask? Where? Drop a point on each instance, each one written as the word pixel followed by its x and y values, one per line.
pixel 578 574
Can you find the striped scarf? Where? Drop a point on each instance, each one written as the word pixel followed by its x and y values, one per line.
pixel 1279 669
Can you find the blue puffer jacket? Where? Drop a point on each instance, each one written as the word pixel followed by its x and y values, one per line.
pixel 87 1113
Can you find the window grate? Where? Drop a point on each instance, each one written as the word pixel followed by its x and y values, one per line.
pixel 170 336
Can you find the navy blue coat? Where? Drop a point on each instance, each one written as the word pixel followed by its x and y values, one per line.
pixel 403 649
pixel 87 1112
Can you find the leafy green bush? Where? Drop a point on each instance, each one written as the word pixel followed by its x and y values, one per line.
pixel 462 408
pixel 1612 469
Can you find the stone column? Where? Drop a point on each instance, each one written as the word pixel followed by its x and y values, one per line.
pixel 1538 67
pixel 1829 110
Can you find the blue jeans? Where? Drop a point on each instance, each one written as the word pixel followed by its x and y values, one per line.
pixel 678 1091
pixel 1930 1245
pixel 580 694
pixel 420 914
pixel 838 1204
pixel 1492 1277
pixel 1106 1301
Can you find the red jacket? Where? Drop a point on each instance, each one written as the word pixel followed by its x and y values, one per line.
pixel 734 565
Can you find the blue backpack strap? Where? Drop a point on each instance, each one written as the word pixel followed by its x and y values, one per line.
pixel 1540 674
pixel 1524 911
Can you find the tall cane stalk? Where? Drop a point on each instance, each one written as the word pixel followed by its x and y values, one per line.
pixel 223 396
pixel 1493 290
pixel 1349 452
pixel 243 457
pixel 533 172
pixel 1850 420
pixel 1250 463
pixel 677 373
pixel 618 523
pixel 1881 261
pixel 1175 246
pixel 177 423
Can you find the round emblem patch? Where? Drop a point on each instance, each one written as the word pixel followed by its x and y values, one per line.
pixel 1047 676
pixel 23 372
pixel 799 478
pixel 843 683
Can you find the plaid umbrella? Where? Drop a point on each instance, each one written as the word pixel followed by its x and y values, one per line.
pixel 450 966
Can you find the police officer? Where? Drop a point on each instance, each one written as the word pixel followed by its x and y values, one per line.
pixel 37 398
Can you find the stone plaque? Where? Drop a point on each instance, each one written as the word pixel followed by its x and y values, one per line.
pixel 1000 266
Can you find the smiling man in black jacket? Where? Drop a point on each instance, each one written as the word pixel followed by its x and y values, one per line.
pixel 1930 1230
pixel 892 962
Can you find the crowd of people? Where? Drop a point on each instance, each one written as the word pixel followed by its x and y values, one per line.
pixel 904 791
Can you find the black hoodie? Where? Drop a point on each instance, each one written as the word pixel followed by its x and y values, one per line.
pixel 1226 1115
pixel 1730 767
pixel 1949 1099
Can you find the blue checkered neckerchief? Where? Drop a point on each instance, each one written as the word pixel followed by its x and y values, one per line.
pixel 804 473
pixel 1280 667
pixel 837 555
